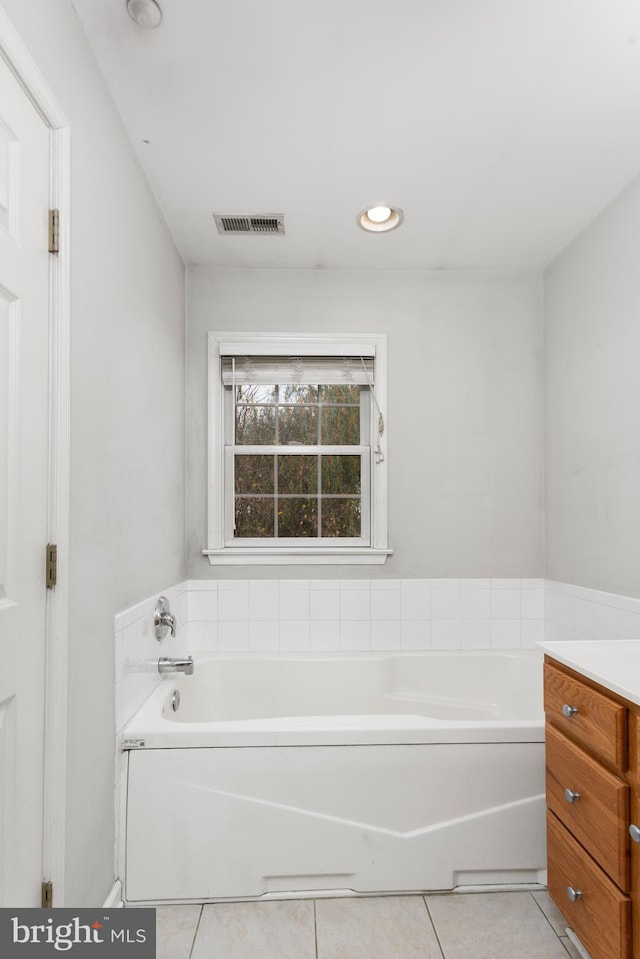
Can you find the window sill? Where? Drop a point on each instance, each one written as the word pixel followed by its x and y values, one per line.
pixel 296 556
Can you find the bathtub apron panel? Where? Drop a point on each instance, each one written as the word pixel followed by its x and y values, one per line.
pixel 217 823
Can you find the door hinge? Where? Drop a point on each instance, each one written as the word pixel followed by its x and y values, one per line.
pixel 54 231
pixel 51 576
pixel 47 895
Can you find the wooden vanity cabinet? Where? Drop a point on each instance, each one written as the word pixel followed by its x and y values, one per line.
pixel 593 796
pixel 633 777
pixel 586 714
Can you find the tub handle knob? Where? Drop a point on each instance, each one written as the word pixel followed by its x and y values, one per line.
pixel 634 832
pixel 163 619
pixel 571 796
pixel 573 894
pixel 569 711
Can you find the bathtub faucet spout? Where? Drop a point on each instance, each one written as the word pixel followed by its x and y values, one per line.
pixel 171 664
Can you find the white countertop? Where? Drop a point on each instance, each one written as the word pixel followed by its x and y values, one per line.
pixel 614 664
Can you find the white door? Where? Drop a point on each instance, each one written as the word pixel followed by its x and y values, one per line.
pixel 24 353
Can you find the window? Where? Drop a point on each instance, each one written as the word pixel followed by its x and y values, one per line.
pixel 295 464
pixel 297 469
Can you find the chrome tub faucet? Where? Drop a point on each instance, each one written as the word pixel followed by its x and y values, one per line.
pixel 176 664
pixel 163 619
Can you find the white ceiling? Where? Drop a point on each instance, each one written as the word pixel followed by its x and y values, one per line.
pixel 500 127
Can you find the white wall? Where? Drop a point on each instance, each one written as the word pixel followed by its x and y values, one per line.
pixel 465 406
pixel 592 337
pixel 127 378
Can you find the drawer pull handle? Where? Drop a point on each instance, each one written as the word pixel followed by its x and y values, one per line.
pixel 572 796
pixel 573 894
pixel 569 711
pixel 634 832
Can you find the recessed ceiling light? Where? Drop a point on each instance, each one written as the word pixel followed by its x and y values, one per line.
pixel 379 214
pixel 380 218
pixel 146 13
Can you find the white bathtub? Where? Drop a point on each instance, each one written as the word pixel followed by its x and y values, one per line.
pixel 300 775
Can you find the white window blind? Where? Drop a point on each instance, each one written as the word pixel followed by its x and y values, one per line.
pixel 297 370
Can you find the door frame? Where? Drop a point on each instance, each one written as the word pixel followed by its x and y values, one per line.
pixel 19 60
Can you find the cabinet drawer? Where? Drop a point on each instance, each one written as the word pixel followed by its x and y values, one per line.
pixel 596 810
pixel 601 916
pixel 594 720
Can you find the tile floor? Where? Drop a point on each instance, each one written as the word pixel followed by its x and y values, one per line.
pixel 488 925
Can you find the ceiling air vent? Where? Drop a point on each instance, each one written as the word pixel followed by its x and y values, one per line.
pixel 272 223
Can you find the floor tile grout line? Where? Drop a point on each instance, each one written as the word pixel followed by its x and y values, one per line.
pixel 433 926
pixel 197 929
pixel 563 939
pixel 558 934
pixel 315 927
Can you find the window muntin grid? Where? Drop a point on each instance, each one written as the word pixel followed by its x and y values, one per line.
pixel 296 469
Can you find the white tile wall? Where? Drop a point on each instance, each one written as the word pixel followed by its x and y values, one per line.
pixel 505 604
pixel 415 600
pixel 415 634
pixel 358 615
pixel 445 603
pixel 385 603
pixel 294 604
pixel 294 635
pixel 475 633
pixel 386 635
pixel 137 650
pixel 575 612
pixel 264 601
pixel 324 604
pixel 324 636
pixel 355 604
pixel 475 603
pixel 445 634
pixel 264 636
pixel 233 636
pixel 355 635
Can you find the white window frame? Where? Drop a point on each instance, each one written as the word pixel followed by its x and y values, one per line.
pixel 220 552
